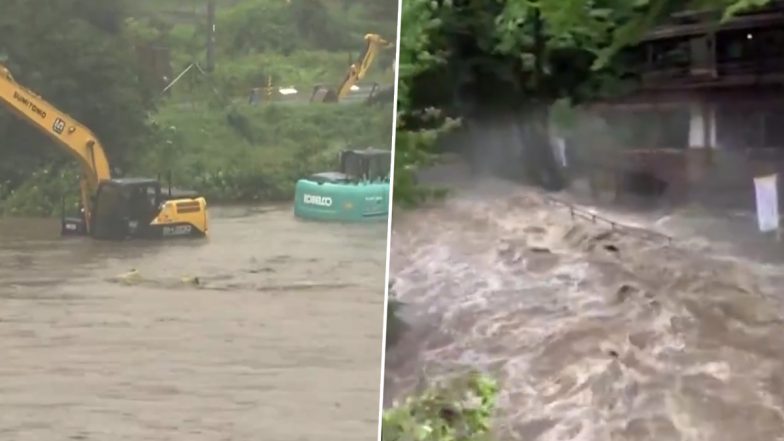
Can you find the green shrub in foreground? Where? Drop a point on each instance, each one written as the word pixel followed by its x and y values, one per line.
pixel 457 410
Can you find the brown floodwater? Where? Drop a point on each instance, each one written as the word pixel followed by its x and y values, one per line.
pixel 279 340
pixel 594 334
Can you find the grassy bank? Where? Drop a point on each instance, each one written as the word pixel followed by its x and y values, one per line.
pixel 298 43
pixel 242 154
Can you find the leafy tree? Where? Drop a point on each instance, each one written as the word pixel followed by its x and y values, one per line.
pixel 254 26
pixel 420 53
pixel 75 55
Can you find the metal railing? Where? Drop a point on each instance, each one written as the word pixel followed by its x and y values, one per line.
pixel 579 213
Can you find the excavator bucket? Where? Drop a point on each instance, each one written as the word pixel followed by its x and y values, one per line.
pixel 356 72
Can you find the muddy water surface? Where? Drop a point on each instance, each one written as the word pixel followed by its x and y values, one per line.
pixel 594 334
pixel 279 340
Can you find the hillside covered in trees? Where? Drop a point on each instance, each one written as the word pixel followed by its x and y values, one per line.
pixel 106 63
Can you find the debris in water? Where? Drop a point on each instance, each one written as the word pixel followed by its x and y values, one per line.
pixel 641 339
pixel 132 277
pixel 191 280
pixel 625 292
pixel 504 248
pixel 265 269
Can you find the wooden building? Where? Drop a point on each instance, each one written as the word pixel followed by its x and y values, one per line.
pixel 708 93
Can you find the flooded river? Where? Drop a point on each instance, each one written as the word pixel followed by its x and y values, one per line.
pixel 594 334
pixel 279 339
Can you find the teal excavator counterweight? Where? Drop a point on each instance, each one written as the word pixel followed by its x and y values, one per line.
pixel 358 192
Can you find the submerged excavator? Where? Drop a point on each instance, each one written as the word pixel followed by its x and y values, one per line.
pixel 110 208
pixel 356 71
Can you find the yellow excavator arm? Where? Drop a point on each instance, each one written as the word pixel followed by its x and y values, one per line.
pixel 373 44
pixel 68 133
pixel 137 207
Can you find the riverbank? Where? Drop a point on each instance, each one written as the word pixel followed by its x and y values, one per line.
pixel 241 154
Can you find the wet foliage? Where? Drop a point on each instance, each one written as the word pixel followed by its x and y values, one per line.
pixel 83 63
pixel 459 409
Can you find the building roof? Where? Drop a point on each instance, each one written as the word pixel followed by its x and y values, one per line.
pixel 692 23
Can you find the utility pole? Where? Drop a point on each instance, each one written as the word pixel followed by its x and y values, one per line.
pixel 210 35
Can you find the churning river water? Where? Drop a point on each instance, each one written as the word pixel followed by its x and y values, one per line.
pixel 594 334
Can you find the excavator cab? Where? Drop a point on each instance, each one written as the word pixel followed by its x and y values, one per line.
pixel 138 208
pixel 366 165
pixel 125 208
pixel 120 208
pixel 357 192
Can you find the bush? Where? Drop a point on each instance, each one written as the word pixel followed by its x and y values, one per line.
pixel 257 153
pixel 254 26
pixel 459 409
pixel 240 154
pixel 42 193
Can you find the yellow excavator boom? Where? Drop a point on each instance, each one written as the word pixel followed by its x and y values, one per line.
pixel 68 133
pixel 373 44
pixel 356 72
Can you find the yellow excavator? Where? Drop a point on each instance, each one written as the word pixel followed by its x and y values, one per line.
pixel 373 45
pixel 110 208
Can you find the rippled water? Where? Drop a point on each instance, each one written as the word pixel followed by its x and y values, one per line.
pixel 594 334
pixel 279 341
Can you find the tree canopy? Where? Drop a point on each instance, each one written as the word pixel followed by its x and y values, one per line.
pixel 479 57
pixel 73 53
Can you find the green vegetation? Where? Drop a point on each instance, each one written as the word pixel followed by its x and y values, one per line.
pixel 82 56
pixel 257 153
pixel 538 53
pixel 239 154
pixel 257 40
pixel 459 409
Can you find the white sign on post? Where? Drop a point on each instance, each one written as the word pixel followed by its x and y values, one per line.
pixel 560 146
pixel 766 189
